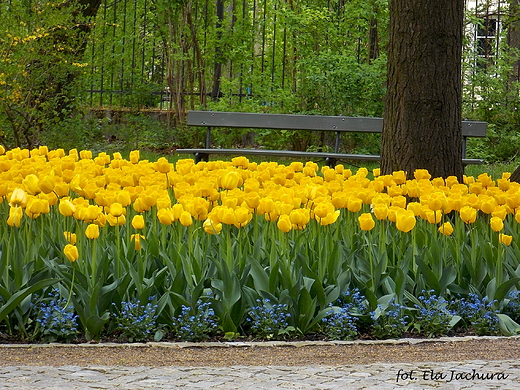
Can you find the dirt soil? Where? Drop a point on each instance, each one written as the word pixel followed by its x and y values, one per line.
pixel 155 355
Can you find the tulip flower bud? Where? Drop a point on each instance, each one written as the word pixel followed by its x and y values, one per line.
pixel 138 222
pixel 380 210
pixel 165 216
pixel 231 180
pixel 92 231
pixel 70 237
pixel 162 165
pixel 496 224
pixel 31 184
pixel 446 229
pixel 116 209
pixel 366 222
pixel 468 214
pixel 134 156
pixel 18 198
pixel 46 184
pixel 284 223
pixel 71 252
pixel 15 216
pixel 66 208
pixel 211 227
pixel 186 219
pixel 505 239
pixel 405 220
pixel 136 238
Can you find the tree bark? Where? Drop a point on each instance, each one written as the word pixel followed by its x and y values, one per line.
pixel 422 120
pixel 515 176
pixel 513 36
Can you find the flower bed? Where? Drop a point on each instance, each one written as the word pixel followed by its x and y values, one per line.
pixel 111 246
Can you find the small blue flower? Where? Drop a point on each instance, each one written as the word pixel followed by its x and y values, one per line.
pixel 195 324
pixel 135 321
pixel 268 321
pixel 56 320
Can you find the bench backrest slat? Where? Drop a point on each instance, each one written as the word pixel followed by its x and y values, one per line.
pixel 306 122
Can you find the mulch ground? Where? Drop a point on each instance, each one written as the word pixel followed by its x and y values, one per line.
pixel 154 355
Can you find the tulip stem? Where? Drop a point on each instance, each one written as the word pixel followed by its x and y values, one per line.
pixel 93 260
pixel 498 267
pixel 117 268
pixel 71 285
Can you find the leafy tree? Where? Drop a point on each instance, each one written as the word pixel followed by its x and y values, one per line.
pixel 41 46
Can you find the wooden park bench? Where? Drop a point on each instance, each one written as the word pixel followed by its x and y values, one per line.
pixel 337 124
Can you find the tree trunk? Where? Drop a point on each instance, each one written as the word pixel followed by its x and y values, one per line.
pixel 422 120
pixel 515 176
pixel 513 36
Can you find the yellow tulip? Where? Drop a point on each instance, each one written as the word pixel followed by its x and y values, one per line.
pixel 36 206
pixel 405 220
pixel 500 212
pixel 123 197
pixel 252 199
pixel 242 217
pixel 399 201
pixel 496 224
pixel 71 252
pixel 138 222
pixel 433 216
pixel 185 219
pixel 92 231
pixel 284 223
pixel 116 209
pixel 47 184
pixel 380 210
pixel 85 154
pixel 366 222
pixel 505 239
pixel 421 174
pixel 299 217
pixel 399 177
pixel 31 184
pixel 116 221
pixel 231 180
pixel 66 208
pixel 136 238
pixel 354 205
pixel 330 218
pixel 165 216
pixel 70 237
pixel 323 209
pixel 91 213
pixel 446 229
pixel 211 227
pixel 468 214
pixel 135 156
pixel 162 165
pixel 437 201
pixel 18 198
pixel 15 216
pixel 177 210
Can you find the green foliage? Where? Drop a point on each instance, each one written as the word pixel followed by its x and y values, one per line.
pixel 39 46
pixel 491 94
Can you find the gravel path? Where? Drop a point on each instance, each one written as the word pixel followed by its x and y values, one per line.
pixel 461 363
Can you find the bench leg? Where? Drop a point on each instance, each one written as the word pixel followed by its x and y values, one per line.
pixel 331 162
pixel 201 157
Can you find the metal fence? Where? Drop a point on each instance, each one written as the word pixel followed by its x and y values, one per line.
pixel 152 54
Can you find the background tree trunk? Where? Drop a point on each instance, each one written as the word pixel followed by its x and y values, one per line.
pixel 515 176
pixel 422 120
pixel 513 36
